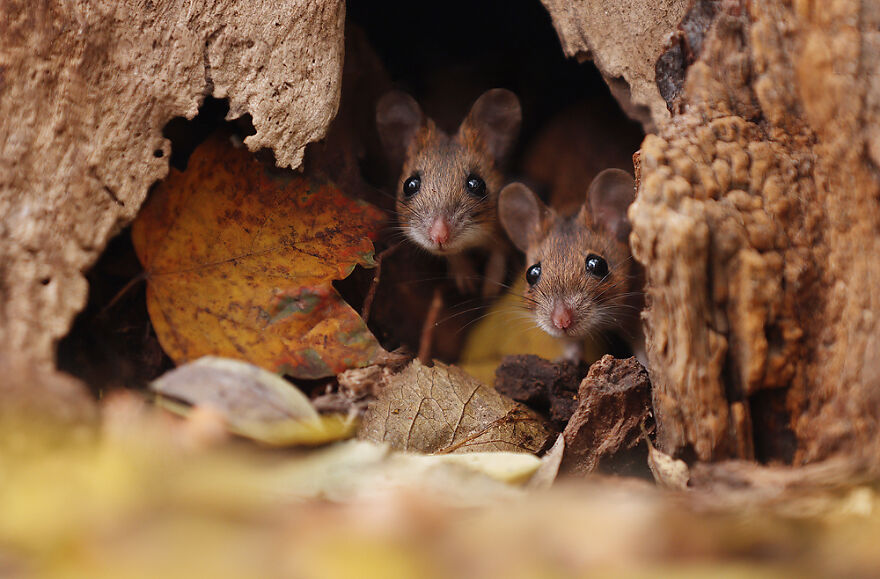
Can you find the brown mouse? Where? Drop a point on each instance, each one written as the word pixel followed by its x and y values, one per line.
pixel 581 277
pixel 447 193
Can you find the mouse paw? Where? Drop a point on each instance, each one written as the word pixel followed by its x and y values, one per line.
pixel 493 282
pixel 462 271
pixel 490 290
pixel 572 352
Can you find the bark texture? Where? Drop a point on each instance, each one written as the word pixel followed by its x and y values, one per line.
pixel 85 90
pixel 625 38
pixel 606 430
pixel 757 220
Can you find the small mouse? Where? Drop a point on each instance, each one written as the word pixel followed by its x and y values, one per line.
pixel 581 277
pixel 447 193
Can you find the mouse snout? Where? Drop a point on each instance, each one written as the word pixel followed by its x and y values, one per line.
pixel 561 316
pixel 439 231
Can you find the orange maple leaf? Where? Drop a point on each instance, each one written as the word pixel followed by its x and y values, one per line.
pixel 240 263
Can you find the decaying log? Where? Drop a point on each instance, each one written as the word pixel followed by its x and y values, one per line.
pixel 757 221
pixel 606 430
pixel 625 39
pixel 757 217
pixel 85 90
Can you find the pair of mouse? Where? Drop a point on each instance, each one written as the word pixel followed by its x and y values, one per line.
pixel 452 198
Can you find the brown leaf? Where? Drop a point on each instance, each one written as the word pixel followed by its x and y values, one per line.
pixel 443 409
pixel 240 264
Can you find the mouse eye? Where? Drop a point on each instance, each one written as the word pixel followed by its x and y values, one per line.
pixel 411 186
pixel 596 266
pixel 533 274
pixel 475 186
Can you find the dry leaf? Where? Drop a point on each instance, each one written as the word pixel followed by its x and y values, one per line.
pixel 443 409
pixel 240 264
pixel 547 472
pixel 509 467
pixel 253 402
pixel 668 472
pixel 362 469
pixel 507 329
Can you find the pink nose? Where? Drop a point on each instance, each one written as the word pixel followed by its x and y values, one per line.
pixel 561 316
pixel 439 232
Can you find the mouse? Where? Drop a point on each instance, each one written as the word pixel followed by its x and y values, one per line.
pixel 447 192
pixel 581 278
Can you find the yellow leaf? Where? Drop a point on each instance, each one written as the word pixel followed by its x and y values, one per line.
pixel 240 263
pixel 507 330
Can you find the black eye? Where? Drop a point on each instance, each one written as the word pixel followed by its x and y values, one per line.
pixel 596 266
pixel 476 186
pixel 411 186
pixel 533 274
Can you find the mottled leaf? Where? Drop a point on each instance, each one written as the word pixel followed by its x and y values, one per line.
pixel 240 263
pixel 443 409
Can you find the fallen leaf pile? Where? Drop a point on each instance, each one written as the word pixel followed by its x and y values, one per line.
pixel 447 477
pixel 240 263
pixel 135 503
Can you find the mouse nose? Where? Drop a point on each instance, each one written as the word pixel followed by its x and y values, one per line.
pixel 439 232
pixel 561 316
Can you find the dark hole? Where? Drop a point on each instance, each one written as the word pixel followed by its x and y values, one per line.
pixel 46 280
pixel 775 441
pixel 460 46
pixel 185 135
pixel 112 343
pixel 445 54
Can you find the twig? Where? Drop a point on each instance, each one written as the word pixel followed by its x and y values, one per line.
pixel 371 294
pixel 428 329
pixel 125 289
pixel 508 418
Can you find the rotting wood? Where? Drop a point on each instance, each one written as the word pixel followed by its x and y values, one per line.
pixel 85 90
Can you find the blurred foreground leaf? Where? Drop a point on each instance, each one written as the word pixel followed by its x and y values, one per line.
pixel 137 504
pixel 240 263
pixel 252 402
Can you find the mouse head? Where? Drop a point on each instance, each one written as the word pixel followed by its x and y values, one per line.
pixel 448 188
pixel 579 267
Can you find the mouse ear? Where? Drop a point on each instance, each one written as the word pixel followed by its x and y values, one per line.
pixel 496 116
pixel 610 195
pixel 521 213
pixel 398 118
